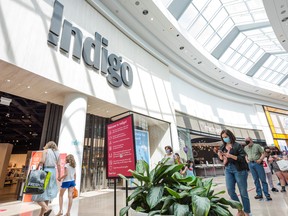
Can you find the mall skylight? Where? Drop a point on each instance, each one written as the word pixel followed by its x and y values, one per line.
pixel 237 33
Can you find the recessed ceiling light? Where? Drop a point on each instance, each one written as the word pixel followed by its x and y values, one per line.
pixel 222 77
pixel 8 80
pixel 236 83
pixel 145 12
pixel 28 87
pixel 284 11
pixel 177 35
pixel 151 18
pixel 181 48
pixel 283 41
pixel 199 62
pixel 284 19
pixel 45 92
pixel 137 3
pixel 256 90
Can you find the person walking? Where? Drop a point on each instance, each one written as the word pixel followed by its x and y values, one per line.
pixel 49 161
pixel 68 182
pixel 255 155
pixel 233 155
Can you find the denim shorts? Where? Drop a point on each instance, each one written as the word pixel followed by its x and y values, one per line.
pixel 68 184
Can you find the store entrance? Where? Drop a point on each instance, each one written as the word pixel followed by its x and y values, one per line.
pixel 21 123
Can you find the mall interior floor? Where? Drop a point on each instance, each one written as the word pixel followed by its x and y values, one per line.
pixel 102 203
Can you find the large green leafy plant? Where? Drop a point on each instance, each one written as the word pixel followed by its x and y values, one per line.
pixel 163 190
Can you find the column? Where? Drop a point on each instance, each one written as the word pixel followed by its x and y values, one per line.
pixel 71 137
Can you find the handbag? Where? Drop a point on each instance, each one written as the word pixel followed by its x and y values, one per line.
pixel 36 182
pixel 283 165
pixel 75 193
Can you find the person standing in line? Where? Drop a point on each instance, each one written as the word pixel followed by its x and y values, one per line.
pixel 50 159
pixel 169 154
pixel 282 175
pixel 267 169
pixel 254 158
pixel 188 169
pixel 177 159
pixel 233 156
pixel 68 182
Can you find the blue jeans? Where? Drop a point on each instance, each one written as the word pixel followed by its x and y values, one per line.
pixel 234 176
pixel 258 173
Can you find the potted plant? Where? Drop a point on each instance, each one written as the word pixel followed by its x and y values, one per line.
pixel 164 191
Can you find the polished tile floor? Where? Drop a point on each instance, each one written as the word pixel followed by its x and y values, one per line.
pixel 101 203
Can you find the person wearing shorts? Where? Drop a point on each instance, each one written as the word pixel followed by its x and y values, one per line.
pixel 68 182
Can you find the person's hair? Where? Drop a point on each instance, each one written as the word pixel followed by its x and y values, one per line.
pixel 51 145
pixel 266 147
pixel 177 154
pixel 168 147
pixel 229 134
pixel 71 160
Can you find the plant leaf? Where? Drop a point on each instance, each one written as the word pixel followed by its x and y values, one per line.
pixel 219 210
pixel 151 213
pixel 232 203
pixel 154 196
pixel 135 193
pixel 124 210
pixel 200 205
pixel 181 210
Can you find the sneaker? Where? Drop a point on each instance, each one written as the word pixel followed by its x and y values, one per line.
pixel 275 190
pixel 268 198
pixel 283 190
pixel 258 197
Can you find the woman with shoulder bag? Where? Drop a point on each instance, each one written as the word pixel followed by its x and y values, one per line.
pixel 49 161
pixel 233 156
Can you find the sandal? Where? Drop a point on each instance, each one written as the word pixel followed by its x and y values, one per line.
pixel 59 213
pixel 47 212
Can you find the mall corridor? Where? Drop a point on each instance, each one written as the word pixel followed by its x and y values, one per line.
pixel 101 203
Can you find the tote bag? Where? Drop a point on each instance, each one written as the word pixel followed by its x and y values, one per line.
pixel 36 182
pixel 283 165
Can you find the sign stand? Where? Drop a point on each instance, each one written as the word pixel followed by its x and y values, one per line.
pixel 126 194
pixel 115 203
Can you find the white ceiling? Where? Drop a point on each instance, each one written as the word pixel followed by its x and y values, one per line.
pixel 17 81
pixel 164 38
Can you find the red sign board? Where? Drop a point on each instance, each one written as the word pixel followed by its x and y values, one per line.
pixel 120 148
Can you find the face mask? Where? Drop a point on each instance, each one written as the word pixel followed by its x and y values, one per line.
pixel 247 142
pixel 168 151
pixel 226 140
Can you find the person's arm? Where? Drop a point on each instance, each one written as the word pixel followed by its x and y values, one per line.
pixel 43 159
pixel 65 174
pixel 59 166
pixel 261 150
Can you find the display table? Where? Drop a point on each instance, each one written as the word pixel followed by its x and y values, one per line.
pixel 209 170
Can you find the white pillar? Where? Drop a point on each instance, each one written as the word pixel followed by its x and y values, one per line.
pixel 72 130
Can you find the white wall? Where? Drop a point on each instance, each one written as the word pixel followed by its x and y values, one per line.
pixel 218 109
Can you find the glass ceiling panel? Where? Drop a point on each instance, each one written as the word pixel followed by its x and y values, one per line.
pixel 210 21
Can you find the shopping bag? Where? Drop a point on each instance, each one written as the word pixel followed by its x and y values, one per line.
pixel 75 193
pixel 36 182
pixel 283 165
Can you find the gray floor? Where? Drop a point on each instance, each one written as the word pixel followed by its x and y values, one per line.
pixel 102 203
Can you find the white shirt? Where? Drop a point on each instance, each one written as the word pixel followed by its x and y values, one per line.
pixel 266 165
pixel 70 173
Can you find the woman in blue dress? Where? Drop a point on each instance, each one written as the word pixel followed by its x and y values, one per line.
pixel 49 161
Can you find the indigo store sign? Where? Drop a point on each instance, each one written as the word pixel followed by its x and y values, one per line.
pixel 110 65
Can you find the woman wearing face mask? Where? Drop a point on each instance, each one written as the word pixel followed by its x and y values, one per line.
pixel 169 154
pixel 233 155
